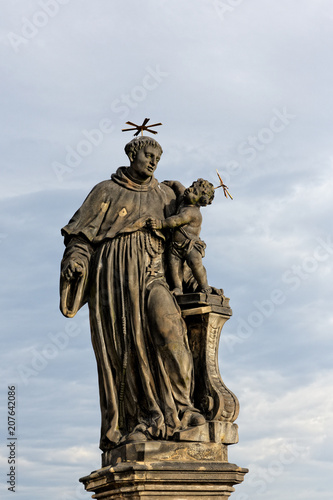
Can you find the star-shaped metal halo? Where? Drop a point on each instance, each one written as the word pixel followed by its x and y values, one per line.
pixel 141 128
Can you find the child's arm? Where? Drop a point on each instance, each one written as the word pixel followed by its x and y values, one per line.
pixel 177 187
pixel 184 217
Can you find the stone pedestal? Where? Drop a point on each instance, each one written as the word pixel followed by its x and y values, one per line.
pixel 165 470
pixel 205 316
pixel 194 463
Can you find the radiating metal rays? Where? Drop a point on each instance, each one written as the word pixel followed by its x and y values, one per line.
pixel 141 128
pixel 222 185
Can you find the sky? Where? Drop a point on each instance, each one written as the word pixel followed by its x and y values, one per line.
pixel 242 86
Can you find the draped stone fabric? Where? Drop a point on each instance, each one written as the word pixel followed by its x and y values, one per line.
pixel 145 368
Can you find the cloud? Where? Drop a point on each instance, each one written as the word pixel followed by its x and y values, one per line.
pixel 221 77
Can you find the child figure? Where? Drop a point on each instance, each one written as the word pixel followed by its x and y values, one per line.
pixel 186 245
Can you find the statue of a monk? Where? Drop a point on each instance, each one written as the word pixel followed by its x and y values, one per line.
pixel 116 264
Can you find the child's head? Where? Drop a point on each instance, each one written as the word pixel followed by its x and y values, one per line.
pixel 202 191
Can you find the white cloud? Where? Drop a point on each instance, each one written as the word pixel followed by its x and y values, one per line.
pixel 226 74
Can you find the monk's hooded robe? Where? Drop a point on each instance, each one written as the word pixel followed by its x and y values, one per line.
pixel 142 384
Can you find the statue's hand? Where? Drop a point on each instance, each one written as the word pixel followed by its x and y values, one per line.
pixel 72 268
pixel 154 223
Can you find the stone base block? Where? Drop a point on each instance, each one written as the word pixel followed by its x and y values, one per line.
pixel 214 431
pixel 160 451
pixel 165 480
pixel 203 442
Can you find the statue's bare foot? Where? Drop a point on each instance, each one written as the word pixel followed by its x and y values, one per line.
pixel 208 289
pixel 136 436
pixel 192 419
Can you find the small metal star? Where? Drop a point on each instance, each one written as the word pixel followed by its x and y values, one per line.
pixel 222 185
pixel 141 128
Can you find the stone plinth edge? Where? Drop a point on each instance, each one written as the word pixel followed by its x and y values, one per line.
pixel 165 480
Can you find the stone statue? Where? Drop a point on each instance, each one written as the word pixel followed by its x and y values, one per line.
pixel 186 245
pixel 116 264
pixel 132 249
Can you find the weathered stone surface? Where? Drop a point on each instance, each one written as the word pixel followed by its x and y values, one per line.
pixel 160 451
pixel 205 315
pixel 115 261
pixel 210 432
pixel 132 248
pixel 165 480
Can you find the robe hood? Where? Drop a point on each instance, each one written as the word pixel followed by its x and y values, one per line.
pixel 122 178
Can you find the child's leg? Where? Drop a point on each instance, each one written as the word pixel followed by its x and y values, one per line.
pixel 176 271
pixel 194 260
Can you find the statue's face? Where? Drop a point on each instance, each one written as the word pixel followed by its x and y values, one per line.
pixel 192 194
pixel 145 163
